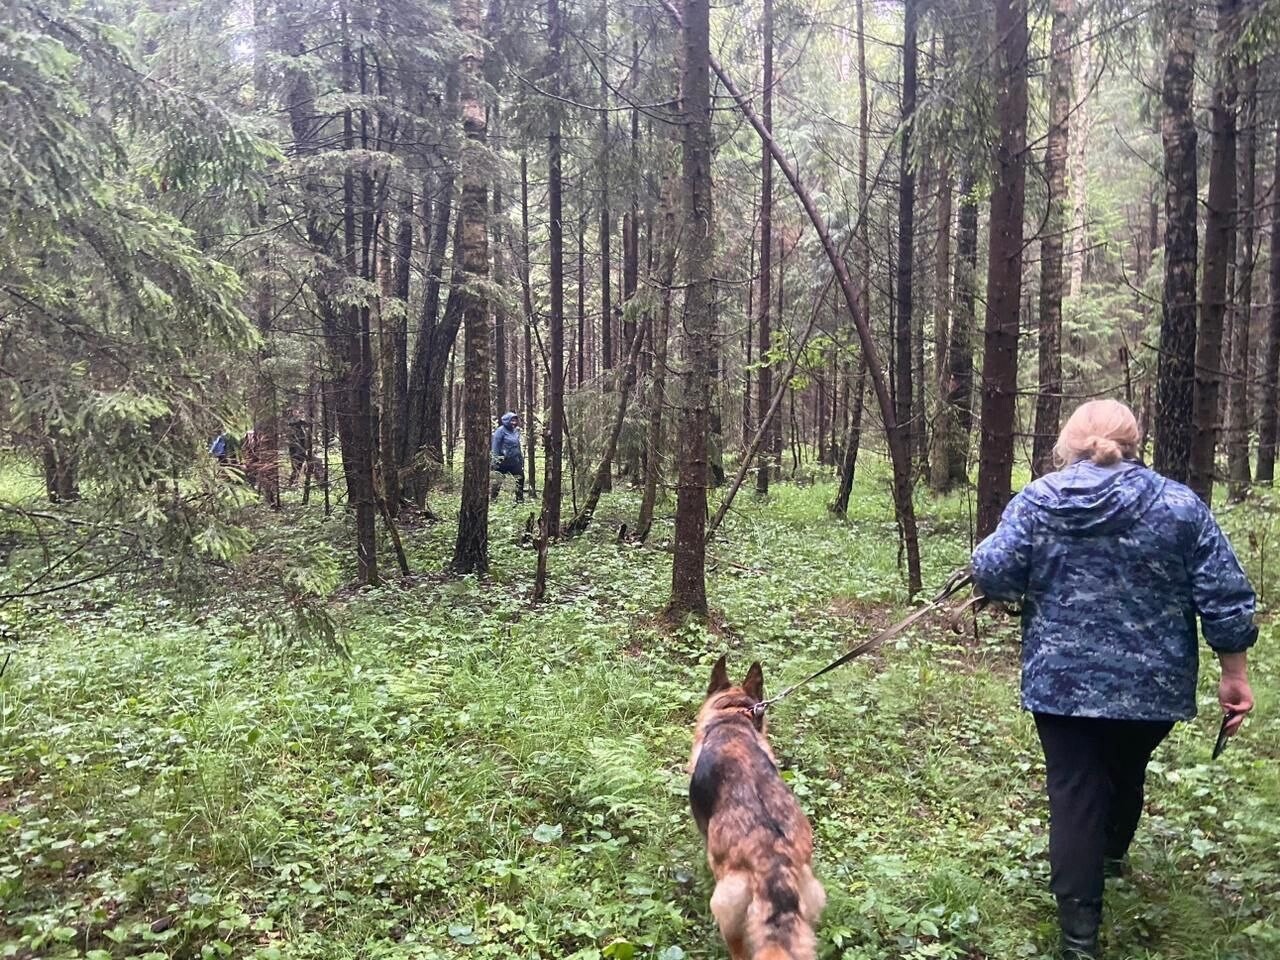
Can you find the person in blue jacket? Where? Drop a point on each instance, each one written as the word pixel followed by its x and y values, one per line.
pixel 506 456
pixel 1112 564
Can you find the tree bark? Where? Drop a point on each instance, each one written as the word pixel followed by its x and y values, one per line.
pixel 1080 122
pixel 764 330
pixel 1175 384
pixel 471 550
pixel 583 519
pixel 395 334
pixel 553 463
pixel 1238 410
pixel 653 442
pixel 903 406
pixel 438 217
pixel 526 290
pixel 1049 397
pixel 688 568
pixel 1219 229
pixel 854 440
pixel 1270 391
pixel 1004 269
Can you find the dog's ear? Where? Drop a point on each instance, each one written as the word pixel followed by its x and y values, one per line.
pixel 753 685
pixel 719 677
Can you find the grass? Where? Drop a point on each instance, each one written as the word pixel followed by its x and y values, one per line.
pixel 484 779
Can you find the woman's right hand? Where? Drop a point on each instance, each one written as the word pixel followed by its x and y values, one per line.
pixel 1236 697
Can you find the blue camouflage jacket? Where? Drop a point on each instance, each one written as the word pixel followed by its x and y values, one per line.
pixel 1112 565
pixel 504 447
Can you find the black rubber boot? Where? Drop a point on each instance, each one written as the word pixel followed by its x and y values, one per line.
pixel 1080 921
pixel 1115 868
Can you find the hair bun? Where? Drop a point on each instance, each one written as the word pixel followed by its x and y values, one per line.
pixel 1105 451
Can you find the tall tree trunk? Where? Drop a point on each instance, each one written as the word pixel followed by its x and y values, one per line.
pixel 1271 374
pixel 502 381
pixel 1238 412
pixel 849 463
pixel 653 441
pixel 764 329
pixel 526 289
pixel 346 335
pixel 551 487
pixel 471 550
pixel 584 516
pixel 1049 397
pixel 1175 384
pixel 955 413
pixel 394 334
pixel 1219 226
pixel 939 463
pixel 1004 269
pixel 688 568
pixel 1080 122
pixel 438 216
pixel 904 408
pixel 580 355
pixel 606 225
pixel 854 440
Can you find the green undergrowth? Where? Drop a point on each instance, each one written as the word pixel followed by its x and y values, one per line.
pixel 482 778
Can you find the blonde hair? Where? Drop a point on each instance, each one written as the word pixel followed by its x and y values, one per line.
pixel 1104 431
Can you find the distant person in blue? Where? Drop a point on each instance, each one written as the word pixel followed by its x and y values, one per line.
pixel 1112 564
pixel 506 456
pixel 223 448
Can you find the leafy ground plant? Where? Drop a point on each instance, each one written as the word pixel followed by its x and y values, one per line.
pixel 471 776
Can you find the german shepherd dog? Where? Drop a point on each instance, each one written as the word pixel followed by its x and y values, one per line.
pixel 759 844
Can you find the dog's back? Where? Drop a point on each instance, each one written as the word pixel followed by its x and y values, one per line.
pixel 759 843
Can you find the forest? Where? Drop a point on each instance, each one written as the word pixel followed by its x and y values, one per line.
pixel 298 658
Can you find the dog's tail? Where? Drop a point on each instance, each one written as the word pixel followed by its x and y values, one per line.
pixel 776 923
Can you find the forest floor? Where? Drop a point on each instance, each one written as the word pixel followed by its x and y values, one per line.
pixel 479 778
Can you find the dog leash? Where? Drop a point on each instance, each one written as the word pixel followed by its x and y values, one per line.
pixel 955 583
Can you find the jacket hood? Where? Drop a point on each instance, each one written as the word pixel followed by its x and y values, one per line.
pixel 1085 499
pixel 506 419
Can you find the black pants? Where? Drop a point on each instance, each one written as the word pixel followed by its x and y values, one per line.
pixel 1096 771
pixel 496 486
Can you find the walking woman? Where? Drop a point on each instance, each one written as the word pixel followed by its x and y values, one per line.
pixel 1112 564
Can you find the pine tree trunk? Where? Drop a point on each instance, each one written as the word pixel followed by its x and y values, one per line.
pixel 553 464
pixel 1271 375
pixel 657 403
pixel 471 550
pixel 580 378
pixel 530 381
pixel 1049 397
pixel 764 329
pixel 904 409
pixel 1175 384
pixel 955 416
pixel 849 464
pixel 688 568
pixel 1004 269
pixel 438 217
pixel 1218 233
pixel 395 332
pixel 854 440
pixel 1238 410
pixel 501 377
